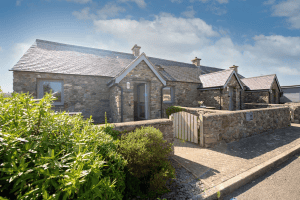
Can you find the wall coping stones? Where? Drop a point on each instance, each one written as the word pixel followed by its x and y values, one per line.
pixel 143 122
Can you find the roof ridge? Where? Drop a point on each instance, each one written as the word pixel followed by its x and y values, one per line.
pixel 71 45
pixel 216 72
pixel 259 76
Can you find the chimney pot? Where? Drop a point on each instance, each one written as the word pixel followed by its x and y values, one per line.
pixel 196 61
pixel 235 68
pixel 136 50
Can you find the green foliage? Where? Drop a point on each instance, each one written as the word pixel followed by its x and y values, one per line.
pixel 47 155
pixel 173 109
pixel 218 194
pixel 148 168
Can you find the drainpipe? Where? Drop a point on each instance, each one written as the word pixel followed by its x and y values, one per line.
pixel 161 102
pixel 121 102
pixel 220 98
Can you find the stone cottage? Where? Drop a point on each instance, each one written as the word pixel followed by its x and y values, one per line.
pixel 128 86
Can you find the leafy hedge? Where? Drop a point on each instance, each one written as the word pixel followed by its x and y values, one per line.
pixel 173 109
pixel 148 168
pixel 47 155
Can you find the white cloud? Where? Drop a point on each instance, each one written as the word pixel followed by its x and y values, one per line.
pixel 289 9
pixel 18 3
pixel 216 9
pixel 289 71
pixel 19 49
pixel 84 14
pixel 189 13
pixel 164 31
pixel 140 3
pixel 80 1
pixel 182 39
pixel 269 2
pixel 108 11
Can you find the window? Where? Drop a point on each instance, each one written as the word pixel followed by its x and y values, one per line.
pixel 45 86
pixel 168 95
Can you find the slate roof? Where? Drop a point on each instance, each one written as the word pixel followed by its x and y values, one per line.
pixel 259 82
pixel 216 79
pixel 52 57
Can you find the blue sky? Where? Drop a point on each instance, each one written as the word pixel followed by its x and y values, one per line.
pixel 261 37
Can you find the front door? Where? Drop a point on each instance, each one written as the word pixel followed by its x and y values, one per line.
pixel 142 101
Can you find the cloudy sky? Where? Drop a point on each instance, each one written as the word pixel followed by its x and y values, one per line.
pixel 261 37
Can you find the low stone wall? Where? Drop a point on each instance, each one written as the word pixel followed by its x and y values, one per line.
pixel 295 112
pixel 164 125
pixel 232 126
pixel 197 111
pixel 294 109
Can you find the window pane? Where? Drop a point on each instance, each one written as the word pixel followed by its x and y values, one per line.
pixel 167 94
pixel 55 87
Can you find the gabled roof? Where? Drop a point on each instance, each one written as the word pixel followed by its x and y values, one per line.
pixel 260 82
pixel 218 79
pixel 52 57
pixel 132 65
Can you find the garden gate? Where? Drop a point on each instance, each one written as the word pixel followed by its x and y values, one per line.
pixel 185 126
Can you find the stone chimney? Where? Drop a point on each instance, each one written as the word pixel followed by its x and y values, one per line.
pixel 136 50
pixel 235 68
pixel 196 61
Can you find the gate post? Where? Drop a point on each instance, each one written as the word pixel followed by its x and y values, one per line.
pixel 201 130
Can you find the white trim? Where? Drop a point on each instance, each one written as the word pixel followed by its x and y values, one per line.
pixel 237 78
pixel 134 63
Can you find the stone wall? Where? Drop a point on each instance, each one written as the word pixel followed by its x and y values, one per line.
pixel 164 125
pixel 256 97
pixel 115 103
pixel 211 98
pixel 86 94
pixel 141 74
pixel 185 94
pixel 203 111
pixel 234 125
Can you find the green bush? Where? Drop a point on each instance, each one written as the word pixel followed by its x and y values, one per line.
pixel 47 155
pixel 148 168
pixel 173 109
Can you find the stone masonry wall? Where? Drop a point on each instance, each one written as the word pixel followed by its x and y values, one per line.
pixel 86 94
pixel 211 98
pixel 115 103
pixel 164 125
pixel 185 95
pixel 141 74
pixel 233 126
pixel 256 97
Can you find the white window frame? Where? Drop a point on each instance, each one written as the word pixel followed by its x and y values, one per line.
pixel 172 93
pixel 40 92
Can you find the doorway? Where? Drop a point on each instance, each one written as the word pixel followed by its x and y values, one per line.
pixel 142 102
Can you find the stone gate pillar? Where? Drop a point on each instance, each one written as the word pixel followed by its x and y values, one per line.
pixel 238 99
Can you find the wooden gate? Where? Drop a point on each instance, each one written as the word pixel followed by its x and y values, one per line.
pixel 185 126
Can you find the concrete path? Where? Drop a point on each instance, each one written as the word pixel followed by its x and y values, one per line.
pixel 228 161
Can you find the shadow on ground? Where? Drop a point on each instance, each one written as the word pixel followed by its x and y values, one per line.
pixel 257 145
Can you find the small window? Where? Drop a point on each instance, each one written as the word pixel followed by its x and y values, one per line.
pixel 45 86
pixel 168 95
